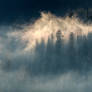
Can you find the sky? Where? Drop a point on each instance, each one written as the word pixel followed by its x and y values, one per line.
pixel 13 9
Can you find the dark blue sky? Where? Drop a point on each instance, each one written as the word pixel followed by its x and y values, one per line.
pixel 10 9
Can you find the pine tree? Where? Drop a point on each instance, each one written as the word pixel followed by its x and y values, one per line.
pixel 85 53
pixel 72 52
pixel 38 63
pixel 49 56
pixel 59 47
pixel 79 52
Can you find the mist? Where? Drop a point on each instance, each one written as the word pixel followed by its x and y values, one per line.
pixel 51 54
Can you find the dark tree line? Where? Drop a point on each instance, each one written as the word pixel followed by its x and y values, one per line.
pixel 57 58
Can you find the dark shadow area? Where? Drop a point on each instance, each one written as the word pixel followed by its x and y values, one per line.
pixel 58 58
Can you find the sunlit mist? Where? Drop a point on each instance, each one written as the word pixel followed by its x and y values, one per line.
pixel 49 24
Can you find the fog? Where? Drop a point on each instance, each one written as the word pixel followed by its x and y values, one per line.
pixel 51 54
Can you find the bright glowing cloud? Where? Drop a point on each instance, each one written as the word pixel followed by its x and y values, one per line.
pixel 48 24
